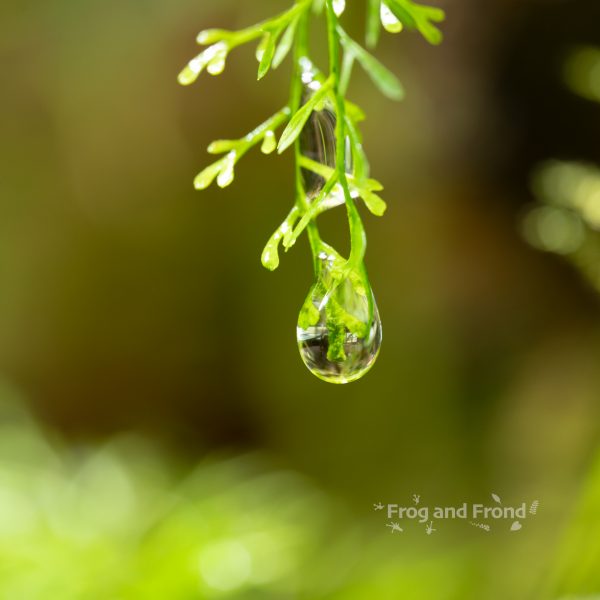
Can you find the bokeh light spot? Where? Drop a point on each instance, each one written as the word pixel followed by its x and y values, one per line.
pixel 554 229
pixel 225 565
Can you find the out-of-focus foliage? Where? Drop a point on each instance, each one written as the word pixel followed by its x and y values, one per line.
pixel 582 72
pixel 125 520
pixel 576 574
pixel 117 522
pixel 567 218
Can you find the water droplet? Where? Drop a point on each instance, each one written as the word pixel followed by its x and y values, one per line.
pixel 318 140
pixel 339 330
pixel 339 6
pixel 389 20
pixel 213 59
pixel 226 175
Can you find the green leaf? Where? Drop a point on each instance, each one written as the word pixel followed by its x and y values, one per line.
pixel 226 175
pixel 381 76
pixel 433 13
pixel 361 163
pixel 374 203
pixel 431 33
pixel 270 255
pixel 269 143
pixel 210 36
pixel 213 59
pixel 271 55
pixel 354 112
pixel 372 185
pixel 267 54
pixel 218 56
pixel 316 167
pixel 286 44
pixel 297 122
pixel 402 13
pixel 420 17
pixel 221 146
pixel 208 175
pixel 260 48
pixel 346 72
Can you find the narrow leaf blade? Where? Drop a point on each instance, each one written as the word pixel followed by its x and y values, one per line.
pixel 297 122
pixel 381 76
pixel 285 44
pixel 267 55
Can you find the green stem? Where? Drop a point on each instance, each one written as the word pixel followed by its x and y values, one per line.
pixel 300 53
pixel 270 124
pixel 249 34
pixel 358 239
pixel 312 212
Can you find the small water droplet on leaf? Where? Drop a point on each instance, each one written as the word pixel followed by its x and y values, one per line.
pixel 389 20
pixel 339 6
pixel 226 175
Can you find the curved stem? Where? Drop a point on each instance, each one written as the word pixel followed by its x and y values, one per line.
pixel 300 53
pixel 358 239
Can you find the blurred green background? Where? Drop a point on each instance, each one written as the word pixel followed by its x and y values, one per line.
pixel 160 437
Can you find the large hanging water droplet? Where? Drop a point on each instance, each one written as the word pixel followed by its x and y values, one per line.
pixel 339 330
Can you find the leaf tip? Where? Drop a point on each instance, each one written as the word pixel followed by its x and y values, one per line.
pixel 282 146
pixel 270 262
pixel 200 184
